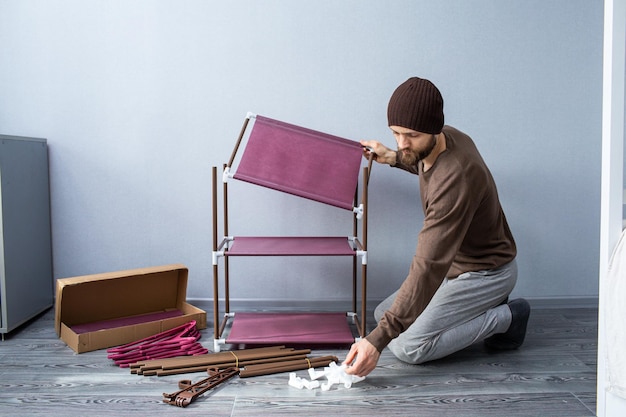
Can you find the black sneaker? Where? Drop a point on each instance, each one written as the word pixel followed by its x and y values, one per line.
pixel 514 336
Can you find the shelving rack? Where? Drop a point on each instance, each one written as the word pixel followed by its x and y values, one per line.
pixel 311 165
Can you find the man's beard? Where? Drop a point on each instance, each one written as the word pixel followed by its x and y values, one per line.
pixel 411 158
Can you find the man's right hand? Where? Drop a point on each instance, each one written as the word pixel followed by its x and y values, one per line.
pixel 382 154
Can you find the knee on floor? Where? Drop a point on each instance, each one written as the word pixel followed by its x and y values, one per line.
pixel 413 353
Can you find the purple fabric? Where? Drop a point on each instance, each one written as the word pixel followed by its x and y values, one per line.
pixel 290 246
pixel 124 321
pixel 302 162
pixel 290 328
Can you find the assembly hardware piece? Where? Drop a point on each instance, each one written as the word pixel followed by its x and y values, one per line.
pixel 189 392
pixel 335 374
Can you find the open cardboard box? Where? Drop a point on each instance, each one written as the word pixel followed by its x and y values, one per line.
pixel 110 309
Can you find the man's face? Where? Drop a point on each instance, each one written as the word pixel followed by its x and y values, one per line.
pixel 413 145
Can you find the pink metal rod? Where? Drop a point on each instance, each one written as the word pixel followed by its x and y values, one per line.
pixel 159 336
pixel 180 341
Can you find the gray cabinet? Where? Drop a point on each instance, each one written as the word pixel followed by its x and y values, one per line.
pixel 26 281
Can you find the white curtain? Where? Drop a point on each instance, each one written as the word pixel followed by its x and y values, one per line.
pixel 616 319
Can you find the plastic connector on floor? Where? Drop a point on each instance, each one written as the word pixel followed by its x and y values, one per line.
pixel 300 383
pixel 333 373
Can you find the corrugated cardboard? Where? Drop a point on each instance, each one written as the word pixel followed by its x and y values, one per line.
pixel 115 295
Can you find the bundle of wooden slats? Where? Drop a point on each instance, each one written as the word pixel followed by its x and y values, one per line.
pixel 286 366
pixel 251 362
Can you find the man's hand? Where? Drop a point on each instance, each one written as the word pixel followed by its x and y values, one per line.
pixel 366 356
pixel 382 154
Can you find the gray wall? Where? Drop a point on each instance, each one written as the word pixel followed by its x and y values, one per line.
pixel 138 99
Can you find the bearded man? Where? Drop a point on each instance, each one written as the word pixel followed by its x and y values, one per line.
pixel 457 288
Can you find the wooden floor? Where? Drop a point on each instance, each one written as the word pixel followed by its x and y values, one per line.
pixel 554 374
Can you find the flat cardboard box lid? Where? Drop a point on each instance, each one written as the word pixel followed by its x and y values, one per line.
pixel 111 295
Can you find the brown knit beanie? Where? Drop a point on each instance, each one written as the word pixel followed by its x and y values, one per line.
pixel 416 104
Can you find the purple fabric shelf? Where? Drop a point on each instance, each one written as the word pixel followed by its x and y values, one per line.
pixel 290 246
pixel 290 329
pixel 302 162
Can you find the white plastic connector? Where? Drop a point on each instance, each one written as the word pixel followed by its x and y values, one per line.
pixel 227 174
pixel 250 115
pixel 333 373
pixel 294 381
pixel 311 384
pixel 220 252
pixel 225 242
pixel 363 255
pixel 300 383
pixel 353 316
pixel 216 255
pixel 337 375
pixel 358 211
pixel 313 374
pixel 217 344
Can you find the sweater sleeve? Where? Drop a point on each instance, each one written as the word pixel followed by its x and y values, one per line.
pixel 449 204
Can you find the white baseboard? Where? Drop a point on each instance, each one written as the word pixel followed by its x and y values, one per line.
pixel 282 305
pixel 563 302
pixel 346 305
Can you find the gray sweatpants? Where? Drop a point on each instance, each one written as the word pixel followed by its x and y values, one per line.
pixel 464 310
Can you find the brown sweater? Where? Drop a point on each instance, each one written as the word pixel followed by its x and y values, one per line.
pixel 464 230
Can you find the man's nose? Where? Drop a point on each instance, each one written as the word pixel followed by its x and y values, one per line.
pixel 403 142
